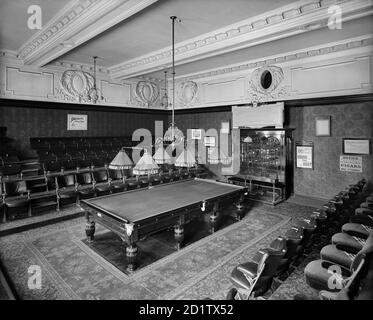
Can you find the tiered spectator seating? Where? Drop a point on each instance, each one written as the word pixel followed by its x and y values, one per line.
pixel 254 278
pixel 68 170
pixel 347 249
pixel 23 196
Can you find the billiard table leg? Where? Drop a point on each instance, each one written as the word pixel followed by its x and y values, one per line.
pixel 240 211
pixel 131 254
pixel 90 229
pixel 214 218
pixel 179 236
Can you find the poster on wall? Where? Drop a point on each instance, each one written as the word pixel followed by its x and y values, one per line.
pixel 351 164
pixel 77 121
pixel 304 156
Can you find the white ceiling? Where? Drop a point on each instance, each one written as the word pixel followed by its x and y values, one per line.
pixel 150 29
pixel 125 33
pixel 13 20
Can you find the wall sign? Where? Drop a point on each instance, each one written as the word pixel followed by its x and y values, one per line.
pixel 210 141
pixel 356 146
pixel 77 121
pixel 304 156
pixel 196 134
pixel 351 164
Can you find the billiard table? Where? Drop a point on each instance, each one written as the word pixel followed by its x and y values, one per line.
pixel 138 213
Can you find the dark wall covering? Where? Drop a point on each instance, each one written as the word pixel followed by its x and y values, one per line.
pixel 25 122
pixel 353 120
pixel 348 120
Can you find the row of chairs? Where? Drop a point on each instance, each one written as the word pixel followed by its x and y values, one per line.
pixel 60 162
pixel 345 267
pixel 20 198
pixel 8 159
pixel 255 278
pixel 70 144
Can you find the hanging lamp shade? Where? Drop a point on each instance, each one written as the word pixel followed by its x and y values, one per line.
pixel 161 156
pixel 185 159
pixel 146 165
pixel 173 135
pixel 121 161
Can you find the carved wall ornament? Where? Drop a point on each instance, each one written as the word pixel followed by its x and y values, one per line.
pixel 186 92
pixel 76 85
pixel 266 83
pixel 146 93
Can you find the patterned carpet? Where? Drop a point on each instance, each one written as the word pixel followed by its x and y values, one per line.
pixel 71 270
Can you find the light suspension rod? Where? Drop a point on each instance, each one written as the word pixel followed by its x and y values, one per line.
pixel 173 75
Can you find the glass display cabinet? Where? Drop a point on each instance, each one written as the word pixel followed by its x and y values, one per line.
pixel 266 164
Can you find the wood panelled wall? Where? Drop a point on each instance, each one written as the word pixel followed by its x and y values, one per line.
pixel 28 119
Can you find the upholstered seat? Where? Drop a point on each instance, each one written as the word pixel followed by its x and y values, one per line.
pixel 318 274
pixel 347 242
pixel 356 229
pixel 102 182
pixel 366 211
pixel 16 197
pixel 67 191
pixel 156 181
pixel 255 277
pixel 86 189
pixel 333 254
pixel 165 178
pixel 362 219
pixel 16 203
pixel 366 205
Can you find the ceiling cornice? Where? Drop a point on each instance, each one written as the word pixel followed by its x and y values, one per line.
pixel 78 22
pixel 333 47
pixel 286 21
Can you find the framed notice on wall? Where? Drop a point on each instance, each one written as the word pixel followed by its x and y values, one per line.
pixel 77 122
pixel 323 126
pixel 196 134
pixel 210 141
pixel 351 164
pixel 304 156
pixel 356 146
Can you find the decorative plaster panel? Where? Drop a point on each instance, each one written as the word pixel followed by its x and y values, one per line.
pixel 27 83
pixel 115 92
pixel 186 93
pixel 326 77
pixel 75 85
pixel 146 93
pixel 229 90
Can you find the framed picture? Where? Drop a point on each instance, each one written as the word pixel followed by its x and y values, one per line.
pixel 323 126
pixel 77 122
pixel 304 156
pixel 356 146
pixel 196 134
pixel 210 142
